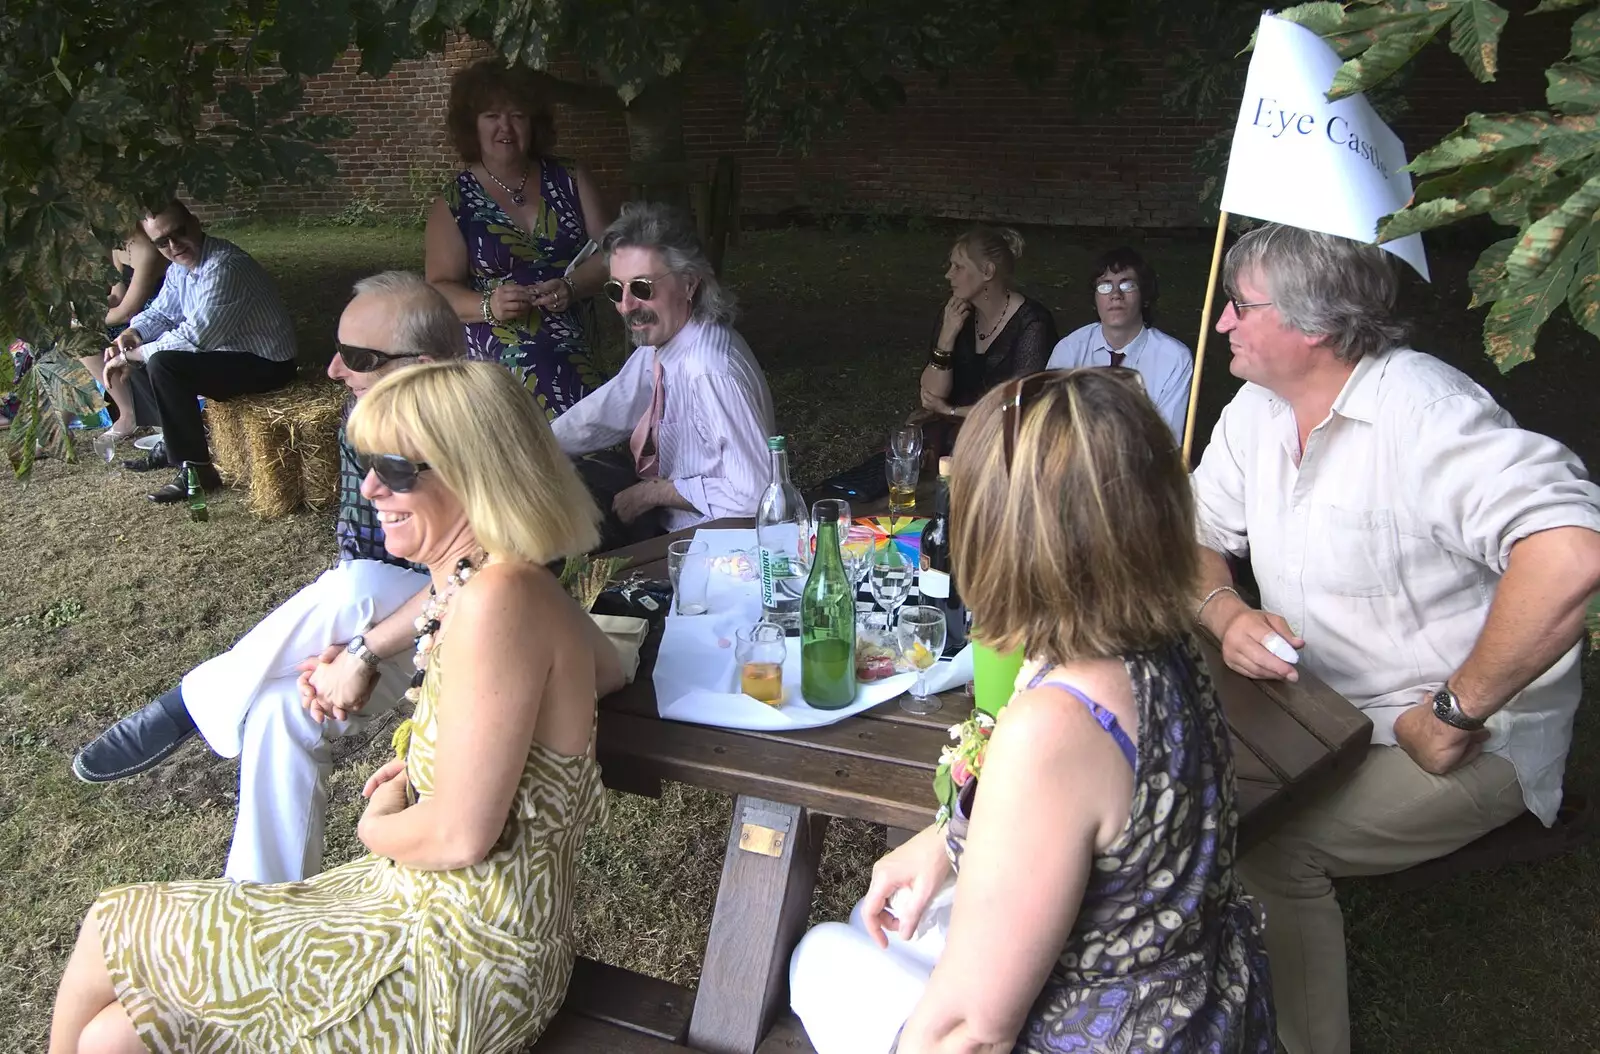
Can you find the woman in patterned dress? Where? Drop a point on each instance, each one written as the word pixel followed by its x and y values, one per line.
pixel 455 932
pixel 501 237
pixel 1094 904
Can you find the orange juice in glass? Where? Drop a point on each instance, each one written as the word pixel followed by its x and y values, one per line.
pixel 760 651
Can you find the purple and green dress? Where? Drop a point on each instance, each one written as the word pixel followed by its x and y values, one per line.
pixel 547 351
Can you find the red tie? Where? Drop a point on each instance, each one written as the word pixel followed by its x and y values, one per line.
pixel 1117 357
pixel 643 440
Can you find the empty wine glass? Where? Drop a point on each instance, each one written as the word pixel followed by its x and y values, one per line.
pixel 891 575
pixel 920 631
pixel 905 443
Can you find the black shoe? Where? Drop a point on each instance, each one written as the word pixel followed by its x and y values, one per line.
pixel 155 460
pixel 178 489
pixel 138 742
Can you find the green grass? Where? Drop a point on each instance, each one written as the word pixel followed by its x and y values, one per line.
pixel 109 599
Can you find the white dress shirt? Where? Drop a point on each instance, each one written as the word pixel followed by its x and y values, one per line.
pixel 1382 543
pixel 225 303
pixel 712 439
pixel 1164 362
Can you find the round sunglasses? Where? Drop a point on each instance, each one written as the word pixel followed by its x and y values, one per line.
pixel 641 288
pixel 397 473
pixel 365 360
pixel 1127 285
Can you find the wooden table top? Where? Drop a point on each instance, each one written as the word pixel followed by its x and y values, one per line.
pixel 879 765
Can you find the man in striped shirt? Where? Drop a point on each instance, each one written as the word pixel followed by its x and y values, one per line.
pixel 691 401
pixel 218 329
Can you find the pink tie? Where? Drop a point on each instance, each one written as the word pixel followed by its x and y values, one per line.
pixel 643 440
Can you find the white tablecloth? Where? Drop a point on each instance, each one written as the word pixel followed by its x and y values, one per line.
pixel 697 676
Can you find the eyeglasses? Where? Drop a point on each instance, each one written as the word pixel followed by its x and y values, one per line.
pixel 1239 309
pixel 365 360
pixel 641 288
pixel 1127 285
pixel 397 473
pixel 1014 405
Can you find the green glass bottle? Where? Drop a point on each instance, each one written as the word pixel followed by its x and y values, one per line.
pixel 197 498
pixel 828 623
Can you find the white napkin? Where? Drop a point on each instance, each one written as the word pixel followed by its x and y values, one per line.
pixel 697 676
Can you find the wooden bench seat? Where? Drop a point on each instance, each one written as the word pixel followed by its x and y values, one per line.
pixel 615 1010
pixel 786 1037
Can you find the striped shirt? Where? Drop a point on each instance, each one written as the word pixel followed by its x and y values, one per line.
pixel 226 304
pixel 1164 362
pixel 717 414
pixel 357 528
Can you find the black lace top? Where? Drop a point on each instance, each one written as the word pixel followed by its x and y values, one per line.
pixel 1022 346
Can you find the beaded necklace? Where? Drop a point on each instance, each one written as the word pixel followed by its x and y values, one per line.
pixel 428 622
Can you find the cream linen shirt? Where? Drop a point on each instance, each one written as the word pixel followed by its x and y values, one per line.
pixel 1383 543
pixel 715 420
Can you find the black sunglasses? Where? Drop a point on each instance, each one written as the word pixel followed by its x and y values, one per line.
pixel 365 360
pixel 641 288
pixel 1014 406
pixel 397 473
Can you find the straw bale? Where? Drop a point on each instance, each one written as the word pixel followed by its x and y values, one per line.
pixel 225 420
pixel 288 446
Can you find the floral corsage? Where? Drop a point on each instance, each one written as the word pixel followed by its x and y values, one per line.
pixel 960 763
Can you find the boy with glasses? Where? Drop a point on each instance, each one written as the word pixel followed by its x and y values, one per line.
pixel 1125 292
pixel 306 673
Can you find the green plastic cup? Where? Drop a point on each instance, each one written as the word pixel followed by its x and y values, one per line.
pixel 993 675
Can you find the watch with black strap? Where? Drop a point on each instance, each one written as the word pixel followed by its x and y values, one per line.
pixel 1447 708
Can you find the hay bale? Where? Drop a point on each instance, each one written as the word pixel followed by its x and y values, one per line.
pixel 225 422
pixel 287 445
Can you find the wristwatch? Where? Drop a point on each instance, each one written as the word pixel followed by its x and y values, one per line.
pixel 1447 708
pixel 358 648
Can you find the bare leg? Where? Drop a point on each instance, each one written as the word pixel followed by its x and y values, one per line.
pixel 85 997
pixel 120 390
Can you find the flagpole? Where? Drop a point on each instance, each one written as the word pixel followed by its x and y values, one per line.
pixel 1205 332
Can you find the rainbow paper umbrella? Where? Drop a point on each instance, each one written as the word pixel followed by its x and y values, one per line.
pixel 878 532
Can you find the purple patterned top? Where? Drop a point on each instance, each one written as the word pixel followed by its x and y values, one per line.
pixel 1165 953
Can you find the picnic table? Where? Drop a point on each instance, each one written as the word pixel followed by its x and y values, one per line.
pixel 1288 740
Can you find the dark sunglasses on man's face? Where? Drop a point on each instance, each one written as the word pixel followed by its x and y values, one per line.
pixel 641 288
pixel 397 473
pixel 365 360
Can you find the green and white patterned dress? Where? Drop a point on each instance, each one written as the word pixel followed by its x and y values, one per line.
pixel 374 955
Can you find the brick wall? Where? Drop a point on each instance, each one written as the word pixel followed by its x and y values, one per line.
pixel 982 146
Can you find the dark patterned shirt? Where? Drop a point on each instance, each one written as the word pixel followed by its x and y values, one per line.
pixel 360 535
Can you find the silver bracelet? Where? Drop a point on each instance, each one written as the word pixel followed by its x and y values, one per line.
pixel 1212 596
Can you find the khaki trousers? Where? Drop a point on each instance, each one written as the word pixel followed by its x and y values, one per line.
pixel 1386 817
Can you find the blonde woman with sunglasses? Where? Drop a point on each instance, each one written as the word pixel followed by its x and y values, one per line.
pixel 1076 891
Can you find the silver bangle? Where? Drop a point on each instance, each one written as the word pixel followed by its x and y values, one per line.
pixel 1212 596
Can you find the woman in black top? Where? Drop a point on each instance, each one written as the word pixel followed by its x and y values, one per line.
pixel 990 333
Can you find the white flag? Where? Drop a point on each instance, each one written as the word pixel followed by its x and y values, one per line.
pixel 1301 160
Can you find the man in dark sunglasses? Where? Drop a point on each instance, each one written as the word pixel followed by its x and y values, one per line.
pixel 1125 292
pixel 306 673
pixel 218 329
pixel 691 402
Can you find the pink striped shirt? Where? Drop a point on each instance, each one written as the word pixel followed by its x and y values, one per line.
pixel 712 440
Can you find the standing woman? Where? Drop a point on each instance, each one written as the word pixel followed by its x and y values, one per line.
pixel 502 235
pixel 990 332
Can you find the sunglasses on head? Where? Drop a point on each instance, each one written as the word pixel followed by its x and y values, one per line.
pixel 365 360
pixel 1014 405
pixel 641 288
pixel 397 473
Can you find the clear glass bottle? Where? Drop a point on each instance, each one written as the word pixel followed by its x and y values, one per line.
pixel 828 624
pixel 783 539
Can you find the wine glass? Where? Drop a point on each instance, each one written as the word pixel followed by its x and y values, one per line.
pixel 905 443
pixel 920 633
pixel 891 575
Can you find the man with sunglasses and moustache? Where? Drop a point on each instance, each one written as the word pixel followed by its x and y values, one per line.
pixel 305 673
pixel 1414 549
pixel 691 401
pixel 217 329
